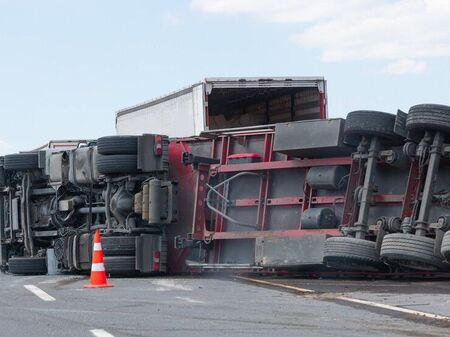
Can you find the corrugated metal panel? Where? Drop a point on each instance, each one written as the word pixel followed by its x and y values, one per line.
pixel 178 115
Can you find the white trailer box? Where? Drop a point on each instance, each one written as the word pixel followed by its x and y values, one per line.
pixel 219 103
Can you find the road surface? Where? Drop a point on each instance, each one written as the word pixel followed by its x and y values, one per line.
pixel 205 306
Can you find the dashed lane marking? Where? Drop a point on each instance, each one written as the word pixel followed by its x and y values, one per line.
pixel 39 293
pixel 349 299
pixel 100 333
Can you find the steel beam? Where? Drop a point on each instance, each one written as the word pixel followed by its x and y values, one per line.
pixel 282 164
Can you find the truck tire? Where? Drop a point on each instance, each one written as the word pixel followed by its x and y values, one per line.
pixel 370 123
pixel 21 161
pixel 117 163
pixel 428 117
pixel 119 245
pixel 27 265
pixel 117 145
pixel 120 265
pixel 352 254
pixel 411 252
pixel 445 248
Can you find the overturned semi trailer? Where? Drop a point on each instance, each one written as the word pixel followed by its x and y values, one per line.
pixel 269 183
pixel 369 193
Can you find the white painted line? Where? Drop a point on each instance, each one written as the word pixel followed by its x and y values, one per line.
pixel 393 308
pixel 273 284
pixel 190 300
pixel 350 299
pixel 39 293
pixel 100 333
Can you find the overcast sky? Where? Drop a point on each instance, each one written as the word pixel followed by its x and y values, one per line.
pixel 67 66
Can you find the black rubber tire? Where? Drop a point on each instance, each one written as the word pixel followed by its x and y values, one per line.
pixel 370 123
pixel 350 254
pixel 117 145
pixel 431 117
pixel 27 265
pixel 445 247
pixel 411 252
pixel 120 265
pixel 21 161
pixel 119 245
pixel 117 163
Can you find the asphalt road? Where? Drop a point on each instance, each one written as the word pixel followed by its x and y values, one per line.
pixel 204 307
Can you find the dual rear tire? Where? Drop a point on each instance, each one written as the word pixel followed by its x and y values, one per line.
pixel 119 254
pixel 365 123
pixel 27 265
pixel 117 154
pixel 21 161
pixel 410 251
pixel 424 117
pixel 405 251
pixel 350 254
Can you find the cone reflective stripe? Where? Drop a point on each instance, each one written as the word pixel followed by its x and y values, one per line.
pixel 98 274
pixel 98 267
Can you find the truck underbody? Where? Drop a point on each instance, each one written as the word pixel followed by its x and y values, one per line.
pixel 53 200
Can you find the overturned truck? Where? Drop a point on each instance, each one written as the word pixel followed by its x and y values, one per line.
pixel 284 188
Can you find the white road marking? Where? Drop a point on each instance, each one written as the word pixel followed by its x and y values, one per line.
pixel 394 308
pixel 190 300
pixel 350 299
pixel 302 290
pixel 100 333
pixel 39 293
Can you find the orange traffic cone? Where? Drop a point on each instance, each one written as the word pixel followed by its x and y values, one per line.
pixel 98 275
